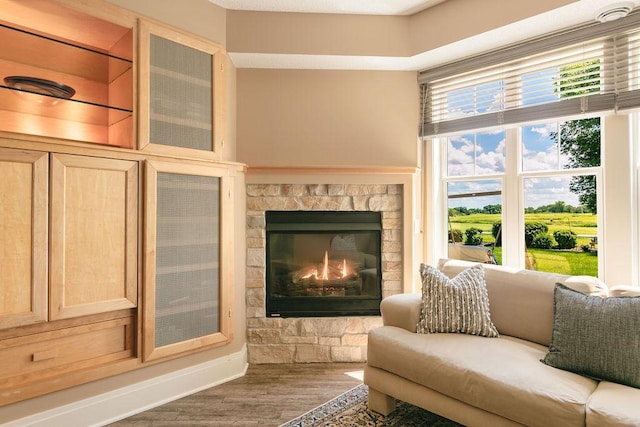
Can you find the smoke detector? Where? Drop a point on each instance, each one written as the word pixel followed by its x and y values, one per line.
pixel 614 11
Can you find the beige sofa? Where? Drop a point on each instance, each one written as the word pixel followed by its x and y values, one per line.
pixel 480 381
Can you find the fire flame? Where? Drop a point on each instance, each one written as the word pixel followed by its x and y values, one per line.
pixel 325 267
pixel 324 274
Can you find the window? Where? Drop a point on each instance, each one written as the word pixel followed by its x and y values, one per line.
pixel 473 207
pixel 537 182
pixel 550 98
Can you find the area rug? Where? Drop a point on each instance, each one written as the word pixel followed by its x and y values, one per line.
pixel 350 409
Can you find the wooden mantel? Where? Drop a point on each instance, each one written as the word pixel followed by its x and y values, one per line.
pixel 332 169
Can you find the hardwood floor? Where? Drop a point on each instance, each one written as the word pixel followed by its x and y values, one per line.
pixel 268 395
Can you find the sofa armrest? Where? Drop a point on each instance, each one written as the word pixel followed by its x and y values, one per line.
pixel 402 311
pixel 624 291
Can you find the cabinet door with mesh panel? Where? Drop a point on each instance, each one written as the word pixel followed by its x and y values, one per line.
pixel 187 287
pixel 181 92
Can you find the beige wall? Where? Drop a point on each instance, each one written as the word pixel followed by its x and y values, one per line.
pixel 317 34
pixel 455 20
pixel 316 117
pixel 199 17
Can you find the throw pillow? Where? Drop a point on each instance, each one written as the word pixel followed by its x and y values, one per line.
pixel 458 305
pixel 596 337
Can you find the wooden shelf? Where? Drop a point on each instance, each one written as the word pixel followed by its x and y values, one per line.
pixel 50 55
pixel 101 109
pixel 36 105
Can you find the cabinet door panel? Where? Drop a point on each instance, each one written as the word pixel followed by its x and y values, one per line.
pixel 183 88
pixel 186 292
pixel 23 231
pixel 94 214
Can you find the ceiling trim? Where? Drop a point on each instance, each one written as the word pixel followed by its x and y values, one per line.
pixel 350 7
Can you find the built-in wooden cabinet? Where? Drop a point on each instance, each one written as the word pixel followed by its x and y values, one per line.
pixel 181 93
pixel 116 209
pixel 68 266
pixel 188 257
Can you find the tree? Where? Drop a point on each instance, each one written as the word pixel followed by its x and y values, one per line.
pixel 580 139
pixel 492 209
pixel 558 207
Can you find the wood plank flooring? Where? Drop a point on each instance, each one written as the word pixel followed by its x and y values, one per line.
pixel 268 395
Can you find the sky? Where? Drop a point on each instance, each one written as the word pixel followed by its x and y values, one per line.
pixel 484 154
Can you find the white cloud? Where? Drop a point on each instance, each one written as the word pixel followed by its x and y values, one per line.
pixel 540 161
pixel 543 131
pixel 459 155
pixel 460 169
pixel 492 162
pixel 546 191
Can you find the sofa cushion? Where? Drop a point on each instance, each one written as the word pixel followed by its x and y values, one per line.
pixel 458 305
pixel 500 375
pixel 596 336
pixel 613 404
pixel 521 300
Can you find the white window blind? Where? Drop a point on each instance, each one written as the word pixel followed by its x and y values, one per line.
pixel 584 70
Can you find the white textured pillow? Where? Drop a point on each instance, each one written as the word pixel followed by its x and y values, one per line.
pixel 458 305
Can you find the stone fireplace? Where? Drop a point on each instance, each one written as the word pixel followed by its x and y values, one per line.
pixel 336 338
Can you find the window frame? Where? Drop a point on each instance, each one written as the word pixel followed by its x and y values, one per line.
pixel 512 199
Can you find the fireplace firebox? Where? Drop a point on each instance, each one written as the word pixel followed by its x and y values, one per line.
pixel 323 263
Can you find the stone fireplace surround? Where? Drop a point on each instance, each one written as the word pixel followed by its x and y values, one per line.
pixel 318 339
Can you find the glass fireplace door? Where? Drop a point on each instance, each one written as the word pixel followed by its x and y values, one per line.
pixel 323 263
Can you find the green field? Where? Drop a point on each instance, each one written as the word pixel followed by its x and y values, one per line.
pixel 573 262
pixel 582 224
pixel 563 262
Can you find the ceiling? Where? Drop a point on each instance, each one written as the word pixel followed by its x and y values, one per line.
pixel 362 7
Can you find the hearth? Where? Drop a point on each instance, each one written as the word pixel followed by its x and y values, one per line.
pixel 323 263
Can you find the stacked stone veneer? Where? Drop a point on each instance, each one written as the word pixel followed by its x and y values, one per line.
pixel 317 339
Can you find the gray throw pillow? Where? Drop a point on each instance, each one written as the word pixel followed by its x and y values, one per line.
pixel 597 337
pixel 457 305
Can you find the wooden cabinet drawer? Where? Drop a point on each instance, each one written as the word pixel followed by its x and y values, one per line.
pixel 57 352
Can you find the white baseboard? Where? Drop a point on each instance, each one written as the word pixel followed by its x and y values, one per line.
pixel 130 400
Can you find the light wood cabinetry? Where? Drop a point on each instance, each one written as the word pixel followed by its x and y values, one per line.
pixel 181 92
pixel 188 264
pixel 24 194
pixel 100 271
pixel 69 226
pixel 94 223
pixel 92 251
pixel 38 363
